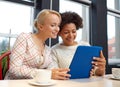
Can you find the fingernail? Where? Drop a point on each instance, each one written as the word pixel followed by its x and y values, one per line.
pixel 94 57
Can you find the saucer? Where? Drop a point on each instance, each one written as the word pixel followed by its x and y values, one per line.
pixel 32 82
pixel 115 78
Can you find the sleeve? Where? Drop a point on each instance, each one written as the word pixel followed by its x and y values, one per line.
pixel 54 59
pixel 17 68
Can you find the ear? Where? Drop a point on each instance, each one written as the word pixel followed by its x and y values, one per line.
pixel 40 26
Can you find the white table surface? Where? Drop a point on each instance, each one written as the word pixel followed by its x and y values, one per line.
pixel 91 82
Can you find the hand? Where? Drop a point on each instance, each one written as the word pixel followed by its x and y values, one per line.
pixel 99 65
pixel 60 74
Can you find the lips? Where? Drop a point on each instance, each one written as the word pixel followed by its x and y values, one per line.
pixel 54 33
pixel 70 39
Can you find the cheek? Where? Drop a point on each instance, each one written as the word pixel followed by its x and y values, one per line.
pixel 53 29
pixel 50 29
pixel 63 35
pixel 75 35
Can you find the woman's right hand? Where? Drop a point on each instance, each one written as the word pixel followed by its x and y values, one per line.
pixel 60 73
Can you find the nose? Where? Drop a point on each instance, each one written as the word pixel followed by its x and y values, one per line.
pixel 57 28
pixel 70 34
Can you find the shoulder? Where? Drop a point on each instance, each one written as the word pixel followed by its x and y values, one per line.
pixel 56 46
pixel 24 34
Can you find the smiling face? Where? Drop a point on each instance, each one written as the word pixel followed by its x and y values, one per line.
pixel 68 34
pixel 50 27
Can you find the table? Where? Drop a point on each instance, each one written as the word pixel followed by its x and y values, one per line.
pixel 91 82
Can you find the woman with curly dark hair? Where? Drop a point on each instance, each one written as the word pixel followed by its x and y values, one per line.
pixel 63 52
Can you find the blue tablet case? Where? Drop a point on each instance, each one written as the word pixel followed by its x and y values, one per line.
pixel 81 64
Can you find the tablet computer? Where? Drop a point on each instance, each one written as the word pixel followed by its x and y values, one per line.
pixel 81 63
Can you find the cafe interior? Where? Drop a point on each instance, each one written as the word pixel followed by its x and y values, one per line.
pixel 100 25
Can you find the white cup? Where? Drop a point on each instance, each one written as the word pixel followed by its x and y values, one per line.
pixel 116 73
pixel 42 76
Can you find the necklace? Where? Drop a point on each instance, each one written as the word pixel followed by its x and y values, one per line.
pixel 40 45
pixel 42 49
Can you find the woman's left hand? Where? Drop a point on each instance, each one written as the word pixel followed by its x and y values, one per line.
pixel 99 65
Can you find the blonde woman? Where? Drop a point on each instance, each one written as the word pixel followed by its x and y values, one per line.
pixel 30 51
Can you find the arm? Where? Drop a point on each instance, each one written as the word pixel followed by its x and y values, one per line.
pixel 58 73
pixel 18 69
pixel 54 58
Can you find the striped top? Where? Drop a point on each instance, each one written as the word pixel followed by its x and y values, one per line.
pixel 25 58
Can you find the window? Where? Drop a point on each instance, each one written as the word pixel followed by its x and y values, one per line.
pixel 83 11
pixel 113 4
pixel 14 19
pixel 113 31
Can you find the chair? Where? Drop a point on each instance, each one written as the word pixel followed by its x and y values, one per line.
pixel 4 63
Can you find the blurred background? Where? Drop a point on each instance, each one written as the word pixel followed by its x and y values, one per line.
pixel 101 19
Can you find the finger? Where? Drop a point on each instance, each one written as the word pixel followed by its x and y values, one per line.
pixel 101 54
pixel 63 69
pixel 92 72
pixel 99 60
pixel 64 76
pixel 59 75
pixel 99 64
pixel 95 63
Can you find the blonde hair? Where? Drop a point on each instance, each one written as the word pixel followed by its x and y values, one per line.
pixel 43 14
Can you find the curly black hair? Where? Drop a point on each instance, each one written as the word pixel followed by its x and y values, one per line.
pixel 71 17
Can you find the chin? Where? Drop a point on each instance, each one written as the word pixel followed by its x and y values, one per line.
pixel 70 44
pixel 54 37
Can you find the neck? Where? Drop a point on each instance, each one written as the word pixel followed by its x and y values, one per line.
pixel 40 37
pixel 73 44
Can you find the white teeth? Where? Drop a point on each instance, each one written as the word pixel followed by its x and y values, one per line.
pixel 54 33
pixel 70 39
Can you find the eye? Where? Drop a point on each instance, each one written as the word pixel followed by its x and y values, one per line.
pixel 66 32
pixel 74 31
pixel 53 25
